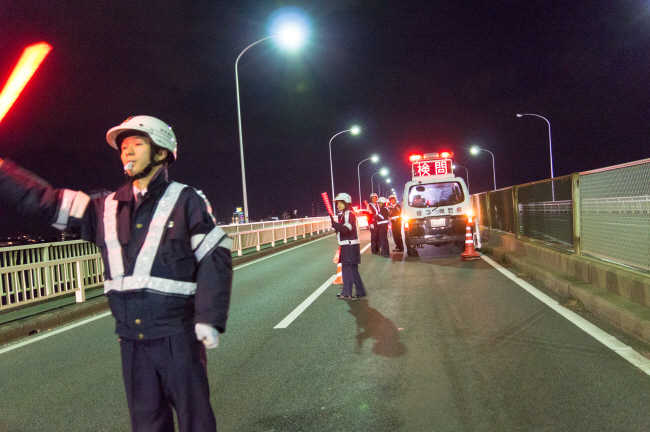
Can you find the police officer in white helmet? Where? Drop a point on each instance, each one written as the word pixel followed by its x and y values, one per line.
pixel 373 208
pixel 168 271
pixel 383 219
pixel 350 256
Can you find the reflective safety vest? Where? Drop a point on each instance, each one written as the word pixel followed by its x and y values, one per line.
pixel 353 237
pixel 142 278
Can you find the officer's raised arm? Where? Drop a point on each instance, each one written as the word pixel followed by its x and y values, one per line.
pixel 34 197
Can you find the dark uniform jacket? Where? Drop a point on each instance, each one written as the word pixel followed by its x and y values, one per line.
pixel 346 229
pixel 141 313
pixel 374 210
pixel 383 218
pixel 396 213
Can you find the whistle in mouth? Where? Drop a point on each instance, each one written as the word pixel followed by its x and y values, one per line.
pixel 128 166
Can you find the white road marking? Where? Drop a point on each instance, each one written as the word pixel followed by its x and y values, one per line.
pixel 601 336
pixel 304 305
pixel 71 326
pixel 53 332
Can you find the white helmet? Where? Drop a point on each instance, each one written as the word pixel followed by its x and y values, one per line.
pixel 382 200
pixel 158 132
pixel 373 195
pixel 392 196
pixel 343 197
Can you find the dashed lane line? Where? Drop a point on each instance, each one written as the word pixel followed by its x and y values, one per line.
pixel 105 314
pixel 309 300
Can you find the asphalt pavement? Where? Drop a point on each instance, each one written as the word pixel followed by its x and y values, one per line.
pixel 438 345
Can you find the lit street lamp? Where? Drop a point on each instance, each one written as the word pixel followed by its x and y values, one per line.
pixel 374 159
pixel 550 147
pixel 354 130
pixel 475 150
pixel 383 172
pixel 290 35
pixel 458 166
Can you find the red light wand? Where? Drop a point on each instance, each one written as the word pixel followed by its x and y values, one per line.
pixel 22 73
pixel 326 200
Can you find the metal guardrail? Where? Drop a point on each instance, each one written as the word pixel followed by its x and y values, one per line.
pixel 32 273
pixel 43 271
pixel 260 233
pixel 604 213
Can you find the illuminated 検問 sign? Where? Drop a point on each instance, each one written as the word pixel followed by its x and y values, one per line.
pixel 437 167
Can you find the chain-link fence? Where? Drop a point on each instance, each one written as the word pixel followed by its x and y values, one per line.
pixel 546 211
pixel 615 213
pixel 501 215
pixel 604 213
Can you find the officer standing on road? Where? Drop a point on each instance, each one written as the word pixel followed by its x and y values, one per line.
pixel 383 219
pixel 350 256
pixel 168 271
pixel 373 208
pixel 396 222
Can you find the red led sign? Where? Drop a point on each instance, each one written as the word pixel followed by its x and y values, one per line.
pixel 429 168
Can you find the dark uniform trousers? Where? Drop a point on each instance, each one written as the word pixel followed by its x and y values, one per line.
pixel 374 239
pixel 383 239
pixel 374 232
pixel 163 373
pixel 351 276
pixel 397 234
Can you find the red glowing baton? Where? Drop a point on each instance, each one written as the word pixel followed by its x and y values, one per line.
pixel 326 200
pixel 22 73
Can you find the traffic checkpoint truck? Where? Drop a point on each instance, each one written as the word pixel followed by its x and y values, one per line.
pixel 436 204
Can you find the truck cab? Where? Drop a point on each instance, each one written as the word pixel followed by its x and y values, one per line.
pixel 436 203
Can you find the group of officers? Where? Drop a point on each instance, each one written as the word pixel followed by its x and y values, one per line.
pixel 382 213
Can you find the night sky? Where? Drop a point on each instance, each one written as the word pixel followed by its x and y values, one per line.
pixel 415 76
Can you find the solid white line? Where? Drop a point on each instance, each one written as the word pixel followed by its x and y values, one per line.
pixel 304 305
pixel 601 336
pixel 62 329
pixel 279 253
pixel 365 248
pixel 53 332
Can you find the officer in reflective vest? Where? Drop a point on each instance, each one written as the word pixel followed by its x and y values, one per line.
pixel 383 219
pixel 168 271
pixel 373 208
pixel 350 256
pixel 396 221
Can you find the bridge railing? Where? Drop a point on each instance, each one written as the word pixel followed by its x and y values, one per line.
pixel 603 213
pixel 31 273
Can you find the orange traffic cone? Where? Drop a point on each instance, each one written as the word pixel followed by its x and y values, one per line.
pixel 339 275
pixel 470 253
pixel 339 268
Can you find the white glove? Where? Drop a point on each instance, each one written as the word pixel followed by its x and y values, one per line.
pixel 372 226
pixel 207 334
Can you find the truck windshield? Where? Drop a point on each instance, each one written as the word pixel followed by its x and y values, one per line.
pixel 435 195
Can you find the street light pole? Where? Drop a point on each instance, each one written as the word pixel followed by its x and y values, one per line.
pixel 374 159
pixel 387 181
pixel 550 147
pixel 466 171
pixel 241 139
pixel 381 171
pixel 354 130
pixel 475 150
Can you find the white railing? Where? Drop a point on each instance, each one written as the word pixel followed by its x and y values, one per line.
pixel 38 272
pixel 254 235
